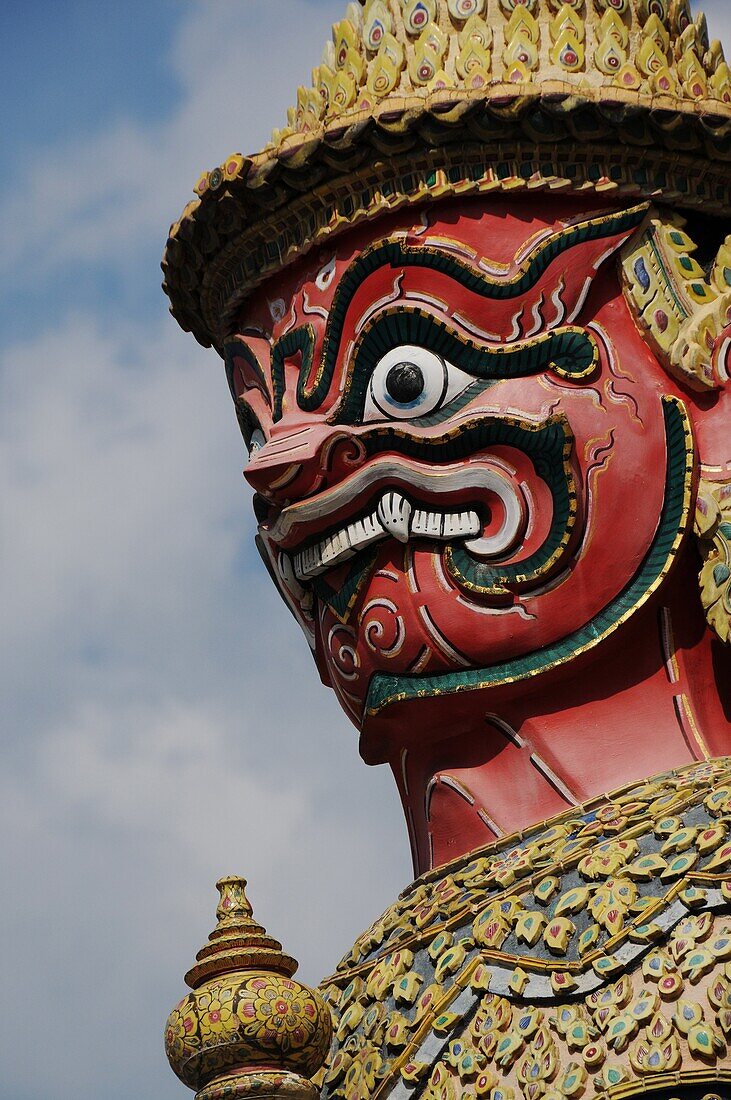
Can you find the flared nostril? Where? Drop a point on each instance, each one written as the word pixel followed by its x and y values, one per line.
pixel 292 457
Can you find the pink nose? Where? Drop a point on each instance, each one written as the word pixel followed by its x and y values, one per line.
pixel 286 457
pixel 304 459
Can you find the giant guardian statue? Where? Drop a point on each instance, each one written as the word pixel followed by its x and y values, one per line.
pixel 474 305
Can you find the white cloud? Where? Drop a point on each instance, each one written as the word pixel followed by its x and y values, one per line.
pixel 152 748
pixel 126 816
pixel 238 72
pixel 149 745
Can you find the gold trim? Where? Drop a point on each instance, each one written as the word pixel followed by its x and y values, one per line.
pixel 580 650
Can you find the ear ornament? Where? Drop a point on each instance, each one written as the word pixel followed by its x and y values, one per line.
pixel 684 314
pixel 713 529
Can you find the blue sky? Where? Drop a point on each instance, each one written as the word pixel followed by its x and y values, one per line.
pixel 148 744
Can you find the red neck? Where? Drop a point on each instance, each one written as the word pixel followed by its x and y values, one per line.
pixel 649 702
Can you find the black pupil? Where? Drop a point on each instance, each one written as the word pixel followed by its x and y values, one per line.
pixel 405 382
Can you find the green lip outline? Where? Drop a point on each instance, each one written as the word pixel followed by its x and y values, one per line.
pixel 385 690
pixel 548 444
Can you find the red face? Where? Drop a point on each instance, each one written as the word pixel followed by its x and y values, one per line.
pixel 460 446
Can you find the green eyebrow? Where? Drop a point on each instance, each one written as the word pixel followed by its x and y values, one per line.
pixel 396 253
pixel 298 340
pixel 569 352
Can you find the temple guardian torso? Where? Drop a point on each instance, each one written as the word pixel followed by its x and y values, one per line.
pixel 589 953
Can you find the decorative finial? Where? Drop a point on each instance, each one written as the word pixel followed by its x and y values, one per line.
pixel 233 903
pixel 237 942
pixel 246 1027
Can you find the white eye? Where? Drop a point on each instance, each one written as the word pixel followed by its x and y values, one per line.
pixel 410 381
pixel 256 441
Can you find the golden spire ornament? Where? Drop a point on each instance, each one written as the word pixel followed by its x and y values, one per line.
pixel 246 1027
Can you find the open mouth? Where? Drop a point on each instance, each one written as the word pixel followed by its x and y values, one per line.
pixel 396 517
pixel 461 489
pixel 489 525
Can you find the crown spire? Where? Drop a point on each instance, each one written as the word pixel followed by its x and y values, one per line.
pixel 414 100
pixel 385 53
pixel 246 1028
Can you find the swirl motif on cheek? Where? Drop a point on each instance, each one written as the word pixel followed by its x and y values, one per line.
pixel 345 448
pixel 343 654
pixel 383 628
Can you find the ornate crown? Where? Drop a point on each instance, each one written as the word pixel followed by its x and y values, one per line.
pixel 417 99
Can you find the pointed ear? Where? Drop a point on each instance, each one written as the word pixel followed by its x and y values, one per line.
pixel 684 314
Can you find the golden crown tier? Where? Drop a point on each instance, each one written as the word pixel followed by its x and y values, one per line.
pixel 395 55
pixel 418 99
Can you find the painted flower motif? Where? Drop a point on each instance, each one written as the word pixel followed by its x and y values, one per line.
pixel 475 870
pixel 215 1011
pixel 425 914
pixel 606 859
pixel 380 980
pixel 426 1002
pixel 181 1030
pixel 279 1013
pixel 361 1076
pixel 509 866
pixel 447 891
pixel 441 1085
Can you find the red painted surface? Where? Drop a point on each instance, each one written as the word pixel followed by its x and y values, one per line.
pixel 624 714
pixel 486 763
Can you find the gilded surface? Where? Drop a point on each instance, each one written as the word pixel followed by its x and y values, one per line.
pixel 590 955
pixel 245 1010
pixel 713 526
pixel 413 49
pixel 418 99
pixel 683 313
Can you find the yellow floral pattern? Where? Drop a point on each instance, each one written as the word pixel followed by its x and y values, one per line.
pixel 278 1012
pixel 577 960
pixel 256 1019
pixel 214 1010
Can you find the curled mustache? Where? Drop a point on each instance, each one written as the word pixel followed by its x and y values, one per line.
pixel 407 452
pixel 413 499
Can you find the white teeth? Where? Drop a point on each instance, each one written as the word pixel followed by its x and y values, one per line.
pixel 429 524
pixel 289 577
pixel 394 512
pixel 395 516
pixel 459 525
pixel 365 530
pixel 308 563
pixel 336 548
pixel 452 525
